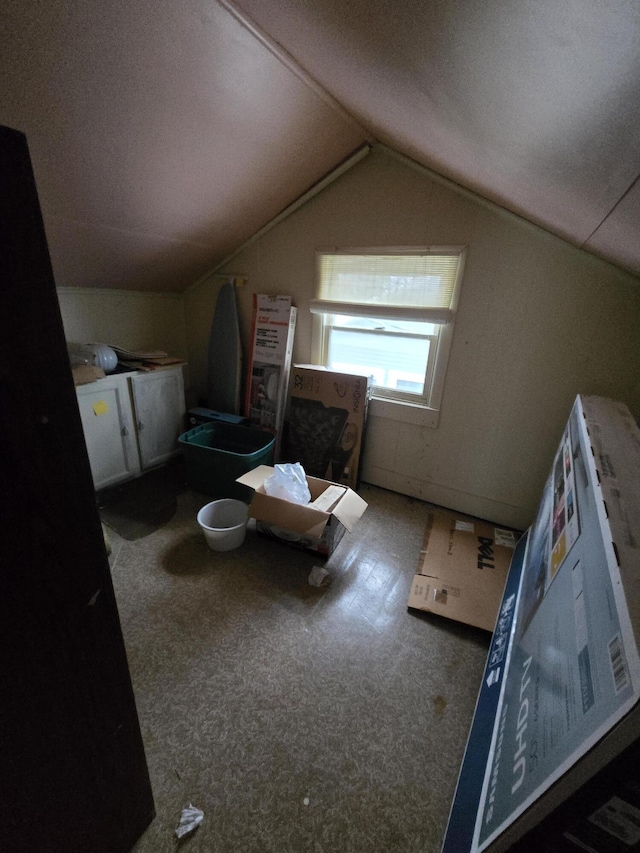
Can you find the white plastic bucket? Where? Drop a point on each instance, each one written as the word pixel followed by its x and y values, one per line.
pixel 224 523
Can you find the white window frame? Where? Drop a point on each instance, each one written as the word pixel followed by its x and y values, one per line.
pixel 424 409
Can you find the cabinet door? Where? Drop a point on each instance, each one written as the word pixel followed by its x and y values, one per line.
pixel 158 400
pixel 109 431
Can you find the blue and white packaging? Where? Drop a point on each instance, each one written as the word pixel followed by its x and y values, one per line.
pixel 559 698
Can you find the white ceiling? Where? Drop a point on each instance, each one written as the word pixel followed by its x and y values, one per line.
pixel 163 135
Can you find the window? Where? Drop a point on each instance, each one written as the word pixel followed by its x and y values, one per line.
pixel 389 315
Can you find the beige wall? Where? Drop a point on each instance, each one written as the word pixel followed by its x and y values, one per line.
pixel 124 318
pixel 538 322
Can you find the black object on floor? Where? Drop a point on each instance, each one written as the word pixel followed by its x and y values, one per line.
pixel 138 507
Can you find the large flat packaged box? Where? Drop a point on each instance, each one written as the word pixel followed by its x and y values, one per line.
pixel 272 333
pixel 326 422
pixel 463 567
pixel 553 760
pixel 318 526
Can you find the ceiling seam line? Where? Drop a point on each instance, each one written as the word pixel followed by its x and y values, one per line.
pixel 289 61
pixel 313 191
pixel 501 210
pixel 473 195
pixel 622 197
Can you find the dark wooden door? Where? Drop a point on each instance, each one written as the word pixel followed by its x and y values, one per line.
pixel 72 766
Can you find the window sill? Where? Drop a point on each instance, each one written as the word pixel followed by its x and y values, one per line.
pixel 406 413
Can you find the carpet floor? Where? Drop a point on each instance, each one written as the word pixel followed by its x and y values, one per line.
pixel 298 719
pixel 136 508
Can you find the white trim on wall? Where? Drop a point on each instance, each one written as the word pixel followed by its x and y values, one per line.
pixel 317 188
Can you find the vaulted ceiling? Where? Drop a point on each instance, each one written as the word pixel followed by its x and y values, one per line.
pixel 163 135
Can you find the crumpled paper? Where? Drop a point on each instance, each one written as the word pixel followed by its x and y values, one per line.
pixel 319 576
pixel 190 819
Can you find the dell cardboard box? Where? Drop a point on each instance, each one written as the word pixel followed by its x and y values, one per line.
pixel 462 569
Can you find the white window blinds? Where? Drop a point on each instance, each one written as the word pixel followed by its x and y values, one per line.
pixel 416 286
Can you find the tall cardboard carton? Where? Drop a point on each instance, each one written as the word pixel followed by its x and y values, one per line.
pixel 326 423
pixel 272 333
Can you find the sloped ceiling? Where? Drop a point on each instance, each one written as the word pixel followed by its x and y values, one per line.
pixel 163 135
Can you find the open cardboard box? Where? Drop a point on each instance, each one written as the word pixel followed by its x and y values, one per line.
pixel 463 567
pixel 318 526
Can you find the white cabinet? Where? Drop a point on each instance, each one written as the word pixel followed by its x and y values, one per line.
pixel 158 402
pixel 109 430
pixel 131 422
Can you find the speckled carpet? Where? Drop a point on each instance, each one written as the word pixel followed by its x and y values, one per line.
pixel 298 719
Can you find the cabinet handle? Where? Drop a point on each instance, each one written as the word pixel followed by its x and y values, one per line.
pixel 140 426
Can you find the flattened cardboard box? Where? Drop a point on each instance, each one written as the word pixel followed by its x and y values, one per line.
pixel 318 526
pixel 326 422
pixel 463 568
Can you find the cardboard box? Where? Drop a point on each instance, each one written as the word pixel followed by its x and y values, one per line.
pixel 462 569
pixel 558 713
pixel 318 526
pixel 326 423
pixel 272 332
pixel 85 373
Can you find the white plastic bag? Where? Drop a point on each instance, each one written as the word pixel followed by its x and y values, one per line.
pixel 288 482
pixel 190 819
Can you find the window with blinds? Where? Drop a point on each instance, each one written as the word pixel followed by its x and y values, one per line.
pixel 389 315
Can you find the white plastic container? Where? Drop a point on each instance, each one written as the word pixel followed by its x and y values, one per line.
pixel 104 357
pixel 224 523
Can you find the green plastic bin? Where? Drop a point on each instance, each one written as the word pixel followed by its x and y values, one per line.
pixel 216 454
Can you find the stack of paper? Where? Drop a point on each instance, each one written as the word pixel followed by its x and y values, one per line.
pixel 145 360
